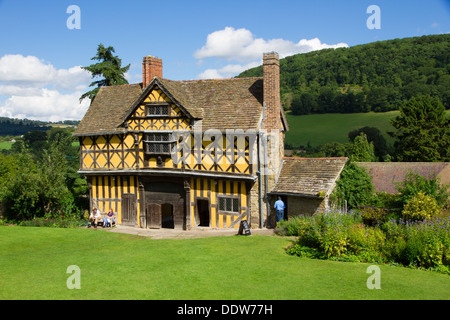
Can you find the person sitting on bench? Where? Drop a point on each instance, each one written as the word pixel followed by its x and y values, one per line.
pixel 94 217
pixel 108 219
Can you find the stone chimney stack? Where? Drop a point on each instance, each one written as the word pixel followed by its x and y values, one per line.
pixel 272 100
pixel 151 67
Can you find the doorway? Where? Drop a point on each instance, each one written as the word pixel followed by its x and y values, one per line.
pixel 129 209
pixel 203 213
pixel 167 216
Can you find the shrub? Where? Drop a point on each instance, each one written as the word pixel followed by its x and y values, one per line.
pixel 420 207
pixel 365 243
pixel 372 216
pixel 354 185
pixel 304 251
pixel 386 200
pixel 59 222
pixel 423 244
pixel 431 241
pixel 414 184
pixel 343 236
pixel 293 227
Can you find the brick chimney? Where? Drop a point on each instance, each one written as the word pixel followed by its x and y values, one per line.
pixel 272 100
pixel 151 67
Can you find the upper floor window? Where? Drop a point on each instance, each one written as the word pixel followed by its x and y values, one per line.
pixel 158 110
pixel 158 143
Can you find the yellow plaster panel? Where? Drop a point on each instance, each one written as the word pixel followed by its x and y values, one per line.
pixel 86 143
pixel 87 161
pixel 116 160
pixel 115 142
pixel 129 141
pixel 102 160
pixel 220 220
pixel 152 163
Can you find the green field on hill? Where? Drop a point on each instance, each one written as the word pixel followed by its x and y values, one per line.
pixel 318 129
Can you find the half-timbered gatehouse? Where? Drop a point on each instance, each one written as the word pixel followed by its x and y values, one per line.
pixel 185 154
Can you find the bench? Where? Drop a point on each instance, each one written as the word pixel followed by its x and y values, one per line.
pixel 100 220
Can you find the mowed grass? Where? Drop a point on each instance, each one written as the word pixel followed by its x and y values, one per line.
pixel 318 129
pixel 34 262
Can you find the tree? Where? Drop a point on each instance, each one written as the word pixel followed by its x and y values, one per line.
pixel 362 150
pixel 354 185
pixel 41 179
pixel 373 135
pixel 109 67
pixel 303 103
pixel 35 141
pixel 423 131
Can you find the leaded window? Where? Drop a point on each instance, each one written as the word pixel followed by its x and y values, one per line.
pixel 229 204
pixel 158 110
pixel 158 143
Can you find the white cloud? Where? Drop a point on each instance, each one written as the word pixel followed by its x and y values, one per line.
pixel 48 105
pixel 37 90
pixel 228 71
pixel 241 45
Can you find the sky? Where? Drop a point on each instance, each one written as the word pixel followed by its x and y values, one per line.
pixel 43 44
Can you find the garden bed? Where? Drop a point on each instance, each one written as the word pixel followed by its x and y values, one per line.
pixel 343 236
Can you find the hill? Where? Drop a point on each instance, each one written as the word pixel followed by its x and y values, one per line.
pixel 372 77
pixel 18 127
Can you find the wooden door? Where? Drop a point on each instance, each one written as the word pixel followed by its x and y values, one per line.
pixel 129 209
pixel 154 216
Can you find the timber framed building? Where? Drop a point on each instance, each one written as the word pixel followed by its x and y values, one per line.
pixel 185 154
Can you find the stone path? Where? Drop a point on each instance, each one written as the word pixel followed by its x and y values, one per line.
pixel 188 234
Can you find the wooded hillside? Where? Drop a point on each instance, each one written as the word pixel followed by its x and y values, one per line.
pixel 18 127
pixel 378 76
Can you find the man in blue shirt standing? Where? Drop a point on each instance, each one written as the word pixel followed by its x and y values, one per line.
pixel 279 207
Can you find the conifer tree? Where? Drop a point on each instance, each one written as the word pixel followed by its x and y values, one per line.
pixel 423 131
pixel 109 68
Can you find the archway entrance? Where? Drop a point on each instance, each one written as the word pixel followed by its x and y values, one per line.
pixel 165 203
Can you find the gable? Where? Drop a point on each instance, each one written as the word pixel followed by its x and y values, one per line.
pixel 155 110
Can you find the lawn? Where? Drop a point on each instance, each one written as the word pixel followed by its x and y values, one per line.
pixel 34 261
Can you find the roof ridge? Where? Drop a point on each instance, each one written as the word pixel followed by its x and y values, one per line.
pixel 123 85
pixel 323 158
pixel 207 80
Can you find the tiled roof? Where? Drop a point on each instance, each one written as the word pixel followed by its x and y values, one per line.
pixel 308 176
pixel 105 112
pixel 220 104
pixel 385 174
